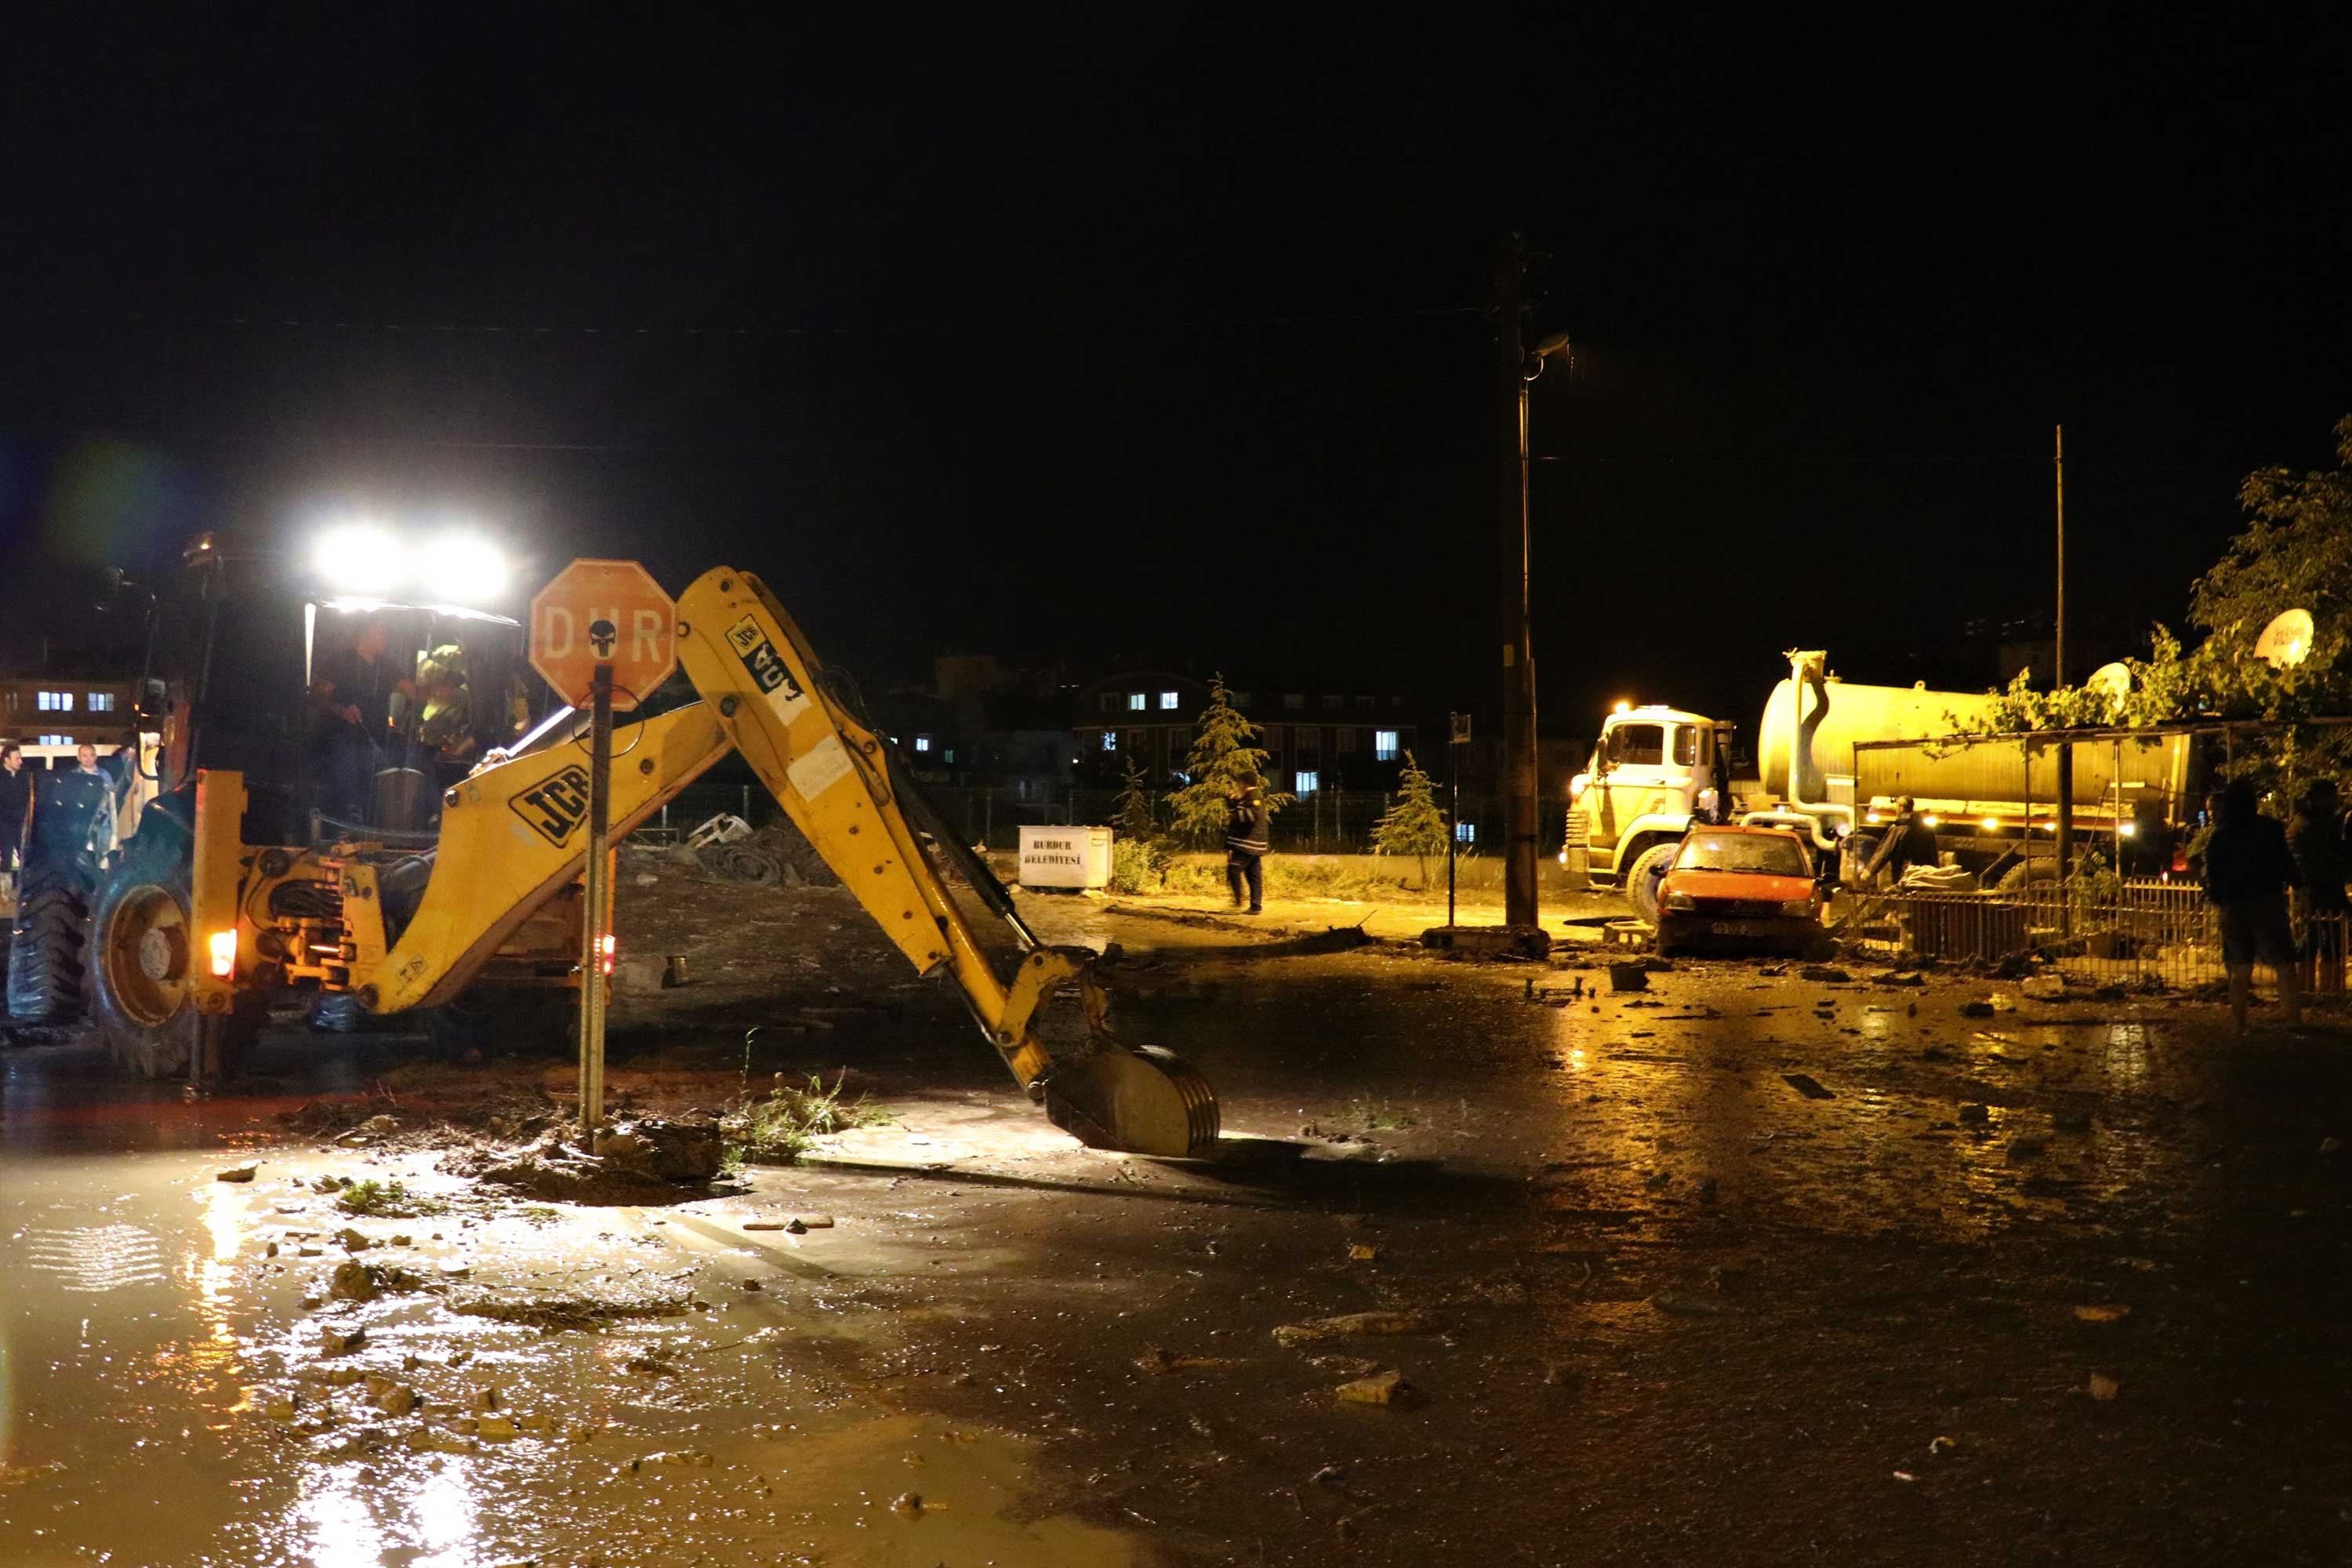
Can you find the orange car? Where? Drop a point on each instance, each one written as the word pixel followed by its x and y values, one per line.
pixel 1741 889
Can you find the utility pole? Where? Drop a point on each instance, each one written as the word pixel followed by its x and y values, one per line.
pixel 2058 681
pixel 1519 821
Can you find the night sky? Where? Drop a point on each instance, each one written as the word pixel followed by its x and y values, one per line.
pixel 1166 341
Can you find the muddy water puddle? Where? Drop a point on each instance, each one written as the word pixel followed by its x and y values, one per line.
pixel 171 1391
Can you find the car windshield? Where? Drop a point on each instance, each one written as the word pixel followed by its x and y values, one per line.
pixel 1769 853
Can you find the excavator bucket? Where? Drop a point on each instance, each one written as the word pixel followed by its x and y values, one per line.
pixel 1140 1099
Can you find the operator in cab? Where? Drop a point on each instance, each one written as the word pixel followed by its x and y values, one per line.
pixel 352 694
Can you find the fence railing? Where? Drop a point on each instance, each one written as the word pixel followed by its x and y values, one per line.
pixel 2104 931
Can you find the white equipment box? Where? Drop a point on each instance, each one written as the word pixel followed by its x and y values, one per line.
pixel 1064 857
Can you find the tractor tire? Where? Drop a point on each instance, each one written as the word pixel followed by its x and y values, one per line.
pixel 1642 880
pixel 48 957
pixel 144 954
pixel 505 1021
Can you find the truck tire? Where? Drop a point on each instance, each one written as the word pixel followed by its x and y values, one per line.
pixel 47 946
pixel 1642 878
pixel 508 1021
pixel 143 953
pixel 2024 872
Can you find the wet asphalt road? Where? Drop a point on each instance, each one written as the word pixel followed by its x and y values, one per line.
pixel 1669 1307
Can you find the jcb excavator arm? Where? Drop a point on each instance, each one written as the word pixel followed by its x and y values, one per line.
pixel 515 833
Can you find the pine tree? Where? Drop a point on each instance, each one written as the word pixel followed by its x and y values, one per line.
pixel 1413 825
pixel 1134 814
pixel 1221 763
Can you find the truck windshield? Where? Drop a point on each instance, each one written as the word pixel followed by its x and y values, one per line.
pixel 1638 744
pixel 1769 853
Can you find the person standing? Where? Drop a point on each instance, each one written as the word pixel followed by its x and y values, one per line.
pixel 2248 870
pixel 1247 824
pixel 352 694
pixel 15 807
pixel 2315 838
pixel 1909 842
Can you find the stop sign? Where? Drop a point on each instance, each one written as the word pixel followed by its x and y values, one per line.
pixel 603 612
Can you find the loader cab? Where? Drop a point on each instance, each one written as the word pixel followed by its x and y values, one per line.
pixel 1645 780
pixel 348 716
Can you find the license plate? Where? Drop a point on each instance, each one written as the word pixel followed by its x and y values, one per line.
pixel 1736 927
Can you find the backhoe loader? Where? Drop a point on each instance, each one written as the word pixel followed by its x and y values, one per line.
pixel 452 888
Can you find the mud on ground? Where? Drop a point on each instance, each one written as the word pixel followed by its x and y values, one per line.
pixel 1744 1268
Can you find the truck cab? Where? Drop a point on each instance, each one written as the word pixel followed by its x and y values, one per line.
pixel 1652 768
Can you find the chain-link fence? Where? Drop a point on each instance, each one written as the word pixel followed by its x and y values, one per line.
pixel 2102 930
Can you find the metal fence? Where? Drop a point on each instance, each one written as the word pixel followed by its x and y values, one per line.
pixel 2101 931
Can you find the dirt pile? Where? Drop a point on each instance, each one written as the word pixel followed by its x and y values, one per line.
pixel 646 1161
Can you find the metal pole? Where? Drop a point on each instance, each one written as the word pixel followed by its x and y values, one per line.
pixel 1453 823
pixel 1519 825
pixel 2058 681
pixel 598 915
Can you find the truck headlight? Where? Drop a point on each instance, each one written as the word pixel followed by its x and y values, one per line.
pixel 1680 902
pixel 461 569
pixel 1799 908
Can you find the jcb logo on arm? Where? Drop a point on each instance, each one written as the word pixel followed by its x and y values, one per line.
pixel 766 666
pixel 557 806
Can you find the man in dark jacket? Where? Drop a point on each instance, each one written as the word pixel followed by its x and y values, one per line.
pixel 2315 838
pixel 1247 823
pixel 2248 871
pixel 1909 842
pixel 16 805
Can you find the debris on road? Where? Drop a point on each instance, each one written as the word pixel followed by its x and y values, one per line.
pixel 1808 1086
pixel 1825 973
pixel 236 1174
pixel 2103 1314
pixel 1975 1115
pixel 1629 977
pixel 336 1341
pixel 1356 1323
pixel 1389 1388
pixel 2104 1388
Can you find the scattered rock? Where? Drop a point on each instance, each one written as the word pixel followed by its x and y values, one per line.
pixel 1825 973
pixel 236 1174
pixel 650 1366
pixel 909 1503
pixel 2021 1150
pixel 494 1429
pixel 350 1240
pixel 352 1283
pixel 427 1441
pixel 341 1341
pixel 763 1224
pixel 1975 1115
pixel 1359 1253
pixel 816 1222
pixel 1808 1086
pixel 1975 1009
pixel 1356 1323
pixel 374 1130
pixel 795 1227
pixel 1390 1388
pixel 1938 1447
pixel 398 1400
pixel 2110 1313
pixel 753 1285
pixel 1900 977
pixel 270 1250
pixel 2102 1388
pixel 1629 977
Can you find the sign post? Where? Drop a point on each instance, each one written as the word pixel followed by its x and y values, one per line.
pixel 603 635
pixel 1458 736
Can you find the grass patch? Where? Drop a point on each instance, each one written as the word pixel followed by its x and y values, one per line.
pixel 1382 1117
pixel 779 1127
pixel 386 1200
pixel 539 1213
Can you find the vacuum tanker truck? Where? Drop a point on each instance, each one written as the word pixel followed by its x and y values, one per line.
pixel 1832 759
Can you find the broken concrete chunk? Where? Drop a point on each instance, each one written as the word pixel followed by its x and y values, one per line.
pixel 1900 977
pixel 1808 1086
pixel 352 1283
pixel 1356 1323
pixel 1390 1388
pixel 494 1429
pixel 1359 1253
pixel 1824 975
pixel 1629 977
pixel 350 1240
pixel 2104 1313
pixel 1975 1009
pixel 398 1400
pixel 236 1174
pixel 816 1222
pixel 2102 1388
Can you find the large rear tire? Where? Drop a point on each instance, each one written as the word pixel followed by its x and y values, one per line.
pixel 48 972
pixel 144 952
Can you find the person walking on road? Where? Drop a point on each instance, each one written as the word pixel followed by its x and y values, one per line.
pixel 2315 838
pixel 15 807
pixel 2248 870
pixel 1247 824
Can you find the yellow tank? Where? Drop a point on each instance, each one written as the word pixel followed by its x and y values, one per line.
pixel 1982 779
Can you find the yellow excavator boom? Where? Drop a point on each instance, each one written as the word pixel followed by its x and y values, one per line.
pixel 515 833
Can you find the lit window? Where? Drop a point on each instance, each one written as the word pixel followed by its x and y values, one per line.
pixel 1167 700
pixel 101 701
pixel 1306 782
pixel 1135 702
pixel 1294 699
pixel 1384 745
pixel 57 702
pixel 951 755
pixel 1466 833
pixel 1110 740
pixel 922 742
